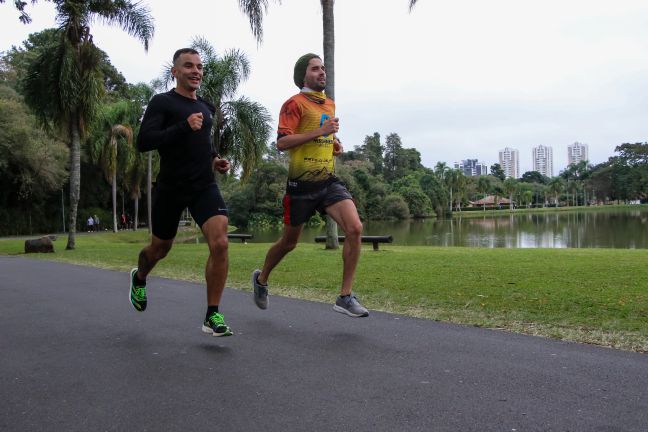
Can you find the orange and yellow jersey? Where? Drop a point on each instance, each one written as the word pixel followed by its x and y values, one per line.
pixel 312 161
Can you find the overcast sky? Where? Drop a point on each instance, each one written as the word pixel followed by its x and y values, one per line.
pixel 455 79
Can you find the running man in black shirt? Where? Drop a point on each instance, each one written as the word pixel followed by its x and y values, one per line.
pixel 178 125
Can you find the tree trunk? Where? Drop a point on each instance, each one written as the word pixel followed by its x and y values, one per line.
pixel 329 61
pixel 136 218
pixel 148 191
pixel 329 46
pixel 75 177
pixel 114 198
pixel 450 200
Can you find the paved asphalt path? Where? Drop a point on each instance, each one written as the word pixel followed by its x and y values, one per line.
pixel 75 356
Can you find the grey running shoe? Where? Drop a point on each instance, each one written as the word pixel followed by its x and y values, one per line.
pixel 260 291
pixel 351 306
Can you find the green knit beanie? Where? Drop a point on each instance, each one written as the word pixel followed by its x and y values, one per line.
pixel 300 68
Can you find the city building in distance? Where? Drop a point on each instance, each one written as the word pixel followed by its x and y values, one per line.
pixel 577 152
pixel 543 160
pixel 509 160
pixel 472 167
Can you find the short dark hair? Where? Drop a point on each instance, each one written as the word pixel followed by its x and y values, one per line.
pixel 183 51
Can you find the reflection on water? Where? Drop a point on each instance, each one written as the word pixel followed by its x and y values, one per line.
pixel 588 229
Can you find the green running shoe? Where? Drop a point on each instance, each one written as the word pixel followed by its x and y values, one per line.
pixel 137 293
pixel 215 325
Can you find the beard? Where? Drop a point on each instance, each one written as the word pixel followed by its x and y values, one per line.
pixel 316 85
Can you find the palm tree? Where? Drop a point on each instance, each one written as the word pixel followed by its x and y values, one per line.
pixel 141 94
pixel 556 186
pixel 113 122
pixel 460 188
pixel 509 186
pixel 440 169
pixel 453 180
pixel 546 192
pixel 126 132
pixel 483 185
pixel 134 176
pixel 64 85
pixel 527 197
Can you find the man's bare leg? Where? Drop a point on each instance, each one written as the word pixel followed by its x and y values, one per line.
pixel 148 257
pixel 346 215
pixel 151 254
pixel 279 250
pixel 275 254
pixel 215 232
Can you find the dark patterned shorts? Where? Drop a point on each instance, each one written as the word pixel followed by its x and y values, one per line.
pixel 299 207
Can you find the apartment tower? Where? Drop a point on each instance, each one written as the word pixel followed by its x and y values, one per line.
pixel 543 160
pixel 577 152
pixel 509 160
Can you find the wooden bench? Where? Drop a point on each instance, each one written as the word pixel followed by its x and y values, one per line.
pixel 242 237
pixel 365 239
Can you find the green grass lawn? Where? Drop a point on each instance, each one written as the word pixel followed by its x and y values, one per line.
pixel 596 296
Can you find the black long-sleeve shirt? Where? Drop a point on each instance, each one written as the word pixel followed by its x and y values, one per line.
pixel 185 155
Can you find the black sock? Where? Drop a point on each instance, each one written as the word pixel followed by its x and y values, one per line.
pixel 211 310
pixel 137 281
pixel 347 295
pixel 262 284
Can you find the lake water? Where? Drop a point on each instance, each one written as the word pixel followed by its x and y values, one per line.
pixel 614 228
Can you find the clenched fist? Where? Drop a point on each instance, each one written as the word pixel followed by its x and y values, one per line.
pixel 221 165
pixel 337 147
pixel 330 126
pixel 195 121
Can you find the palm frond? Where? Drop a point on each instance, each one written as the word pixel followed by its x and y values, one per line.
pixel 236 69
pixel 134 18
pixel 202 45
pixel 245 134
pixel 254 10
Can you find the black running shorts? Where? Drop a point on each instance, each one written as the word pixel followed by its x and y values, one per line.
pixel 299 207
pixel 168 205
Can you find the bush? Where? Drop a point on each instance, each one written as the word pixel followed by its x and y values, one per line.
pixel 395 207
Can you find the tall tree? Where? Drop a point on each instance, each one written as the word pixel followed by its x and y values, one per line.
pixel 141 94
pixel 64 83
pixel 328 30
pixel 111 144
pixel 133 179
pixel 373 150
pixel 509 186
pixel 435 190
pixel 575 175
pixel 497 171
pixel 483 186
pixel 453 180
pixel 440 170
pixel 556 186
pixel 393 150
